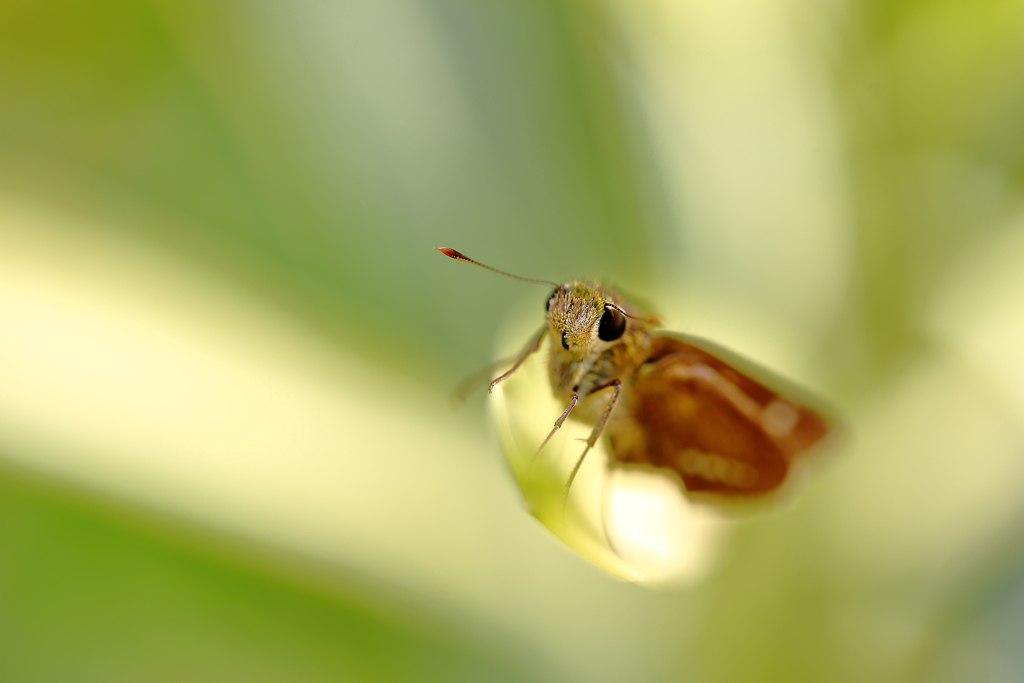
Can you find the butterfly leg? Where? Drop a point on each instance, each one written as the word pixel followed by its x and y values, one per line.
pixel 481 378
pixel 561 418
pixel 527 352
pixel 616 385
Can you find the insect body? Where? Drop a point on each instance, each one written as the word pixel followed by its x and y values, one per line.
pixel 661 399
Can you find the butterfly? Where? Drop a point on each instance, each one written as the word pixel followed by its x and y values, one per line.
pixel 664 400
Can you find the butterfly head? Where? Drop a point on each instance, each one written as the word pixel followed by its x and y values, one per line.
pixel 581 315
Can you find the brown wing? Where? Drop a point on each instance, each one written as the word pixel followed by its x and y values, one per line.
pixel 720 430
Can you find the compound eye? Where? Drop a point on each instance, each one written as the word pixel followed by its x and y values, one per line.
pixel 612 325
pixel 547 306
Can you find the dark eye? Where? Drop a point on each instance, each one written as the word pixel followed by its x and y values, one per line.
pixel 547 306
pixel 612 325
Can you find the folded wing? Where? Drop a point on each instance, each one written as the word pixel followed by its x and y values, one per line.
pixel 720 430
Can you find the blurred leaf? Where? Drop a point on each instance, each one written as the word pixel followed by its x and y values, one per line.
pixel 91 591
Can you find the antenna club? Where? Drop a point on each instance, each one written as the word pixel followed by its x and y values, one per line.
pixel 451 253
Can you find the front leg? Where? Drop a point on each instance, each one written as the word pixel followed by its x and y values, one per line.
pixel 616 386
pixel 527 352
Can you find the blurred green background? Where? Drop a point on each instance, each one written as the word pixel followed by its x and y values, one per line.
pixel 226 346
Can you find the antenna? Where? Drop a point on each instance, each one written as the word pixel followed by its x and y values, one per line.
pixel 458 256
